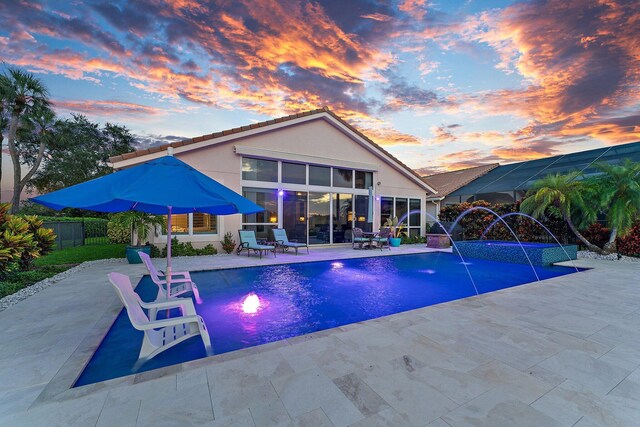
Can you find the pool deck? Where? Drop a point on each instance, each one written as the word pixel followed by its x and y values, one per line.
pixel 565 351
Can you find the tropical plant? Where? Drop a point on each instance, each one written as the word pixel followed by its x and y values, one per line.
pixel 228 244
pixel 23 95
pixel 21 241
pixel 564 192
pixel 614 193
pixel 396 227
pixel 138 224
pixel 618 193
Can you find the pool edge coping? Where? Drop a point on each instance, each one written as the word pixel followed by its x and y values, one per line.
pixel 60 387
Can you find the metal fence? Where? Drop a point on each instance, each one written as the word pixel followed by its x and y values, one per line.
pixel 78 233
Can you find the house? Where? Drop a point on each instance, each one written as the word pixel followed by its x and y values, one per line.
pixel 448 182
pixel 316 176
pixel 509 183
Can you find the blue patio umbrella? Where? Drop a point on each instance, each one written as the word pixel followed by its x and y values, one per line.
pixel 163 186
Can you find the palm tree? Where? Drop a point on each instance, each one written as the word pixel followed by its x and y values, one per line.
pixel 4 123
pixel 36 136
pixel 565 193
pixel 22 92
pixel 618 189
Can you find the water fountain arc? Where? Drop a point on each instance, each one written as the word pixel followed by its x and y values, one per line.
pixel 540 224
pixel 464 263
pixel 475 208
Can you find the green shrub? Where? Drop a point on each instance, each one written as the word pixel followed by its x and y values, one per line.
pixel 412 240
pixel 22 239
pixel 182 249
pixel 21 279
pixel 228 244
pixel 118 232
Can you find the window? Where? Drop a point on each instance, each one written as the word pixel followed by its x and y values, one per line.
pixel 179 223
pixel 343 178
pixel 259 170
pixel 362 213
pixel 204 223
pixel 266 198
pixel 401 210
pixel 386 209
pixel 319 175
pixel 263 232
pixel 415 217
pixel 319 205
pixel 364 179
pixel 294 173
pixel 201 223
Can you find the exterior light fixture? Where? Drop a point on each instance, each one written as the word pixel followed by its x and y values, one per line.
pixel 280 193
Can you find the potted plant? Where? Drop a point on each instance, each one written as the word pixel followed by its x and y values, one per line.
pixel 396 231
pixel 138 224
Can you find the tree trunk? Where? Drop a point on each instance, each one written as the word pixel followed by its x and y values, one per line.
pixel 18 186
pixel 13 152
pixel 588 244
pixel 610 246
pixel 1 141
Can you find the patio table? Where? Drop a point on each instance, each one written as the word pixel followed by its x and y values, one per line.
pixel 370 235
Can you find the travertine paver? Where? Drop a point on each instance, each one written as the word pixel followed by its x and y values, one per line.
pixel 561 352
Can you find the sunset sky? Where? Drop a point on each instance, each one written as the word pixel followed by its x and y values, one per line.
pixel 441 85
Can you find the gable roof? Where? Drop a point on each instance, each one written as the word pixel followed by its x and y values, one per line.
pixel 448 182
pixel 266 125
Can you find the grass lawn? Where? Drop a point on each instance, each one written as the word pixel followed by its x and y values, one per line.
pixel 80 254
pixel 57 262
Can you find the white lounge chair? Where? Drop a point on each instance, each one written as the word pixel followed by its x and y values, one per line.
pixel 181 282
pixel 159 335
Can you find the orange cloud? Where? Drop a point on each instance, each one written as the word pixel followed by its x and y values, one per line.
pixel 107 108
pixel 377 17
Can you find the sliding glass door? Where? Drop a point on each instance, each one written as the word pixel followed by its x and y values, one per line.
pixel 294 215
pixel 342 217
pixel 319 218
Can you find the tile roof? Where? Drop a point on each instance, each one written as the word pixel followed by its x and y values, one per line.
pixel 160 148
pixel 448 182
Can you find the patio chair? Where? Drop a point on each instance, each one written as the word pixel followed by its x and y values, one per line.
pixel 248 241
pixel 181 282
pixel 382 239
pixel 280 236
pixel 159 335
pixel 357 238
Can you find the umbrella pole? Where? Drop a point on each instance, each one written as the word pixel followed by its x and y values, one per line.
pixel 168 253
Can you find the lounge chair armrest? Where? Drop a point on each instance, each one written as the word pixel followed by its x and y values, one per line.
pixel 170 322
pixel 163 280
pixel 172 303
pixel 175 273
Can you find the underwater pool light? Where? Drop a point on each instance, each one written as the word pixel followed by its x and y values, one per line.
pixel 251 304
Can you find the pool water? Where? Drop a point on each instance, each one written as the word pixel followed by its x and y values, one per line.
pixel 301 298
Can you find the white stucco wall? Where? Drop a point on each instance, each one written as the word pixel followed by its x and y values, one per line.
pixel 314 141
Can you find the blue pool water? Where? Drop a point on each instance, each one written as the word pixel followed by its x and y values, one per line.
pixel 301 298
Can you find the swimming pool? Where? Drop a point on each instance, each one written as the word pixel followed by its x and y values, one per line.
pixel 301 298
